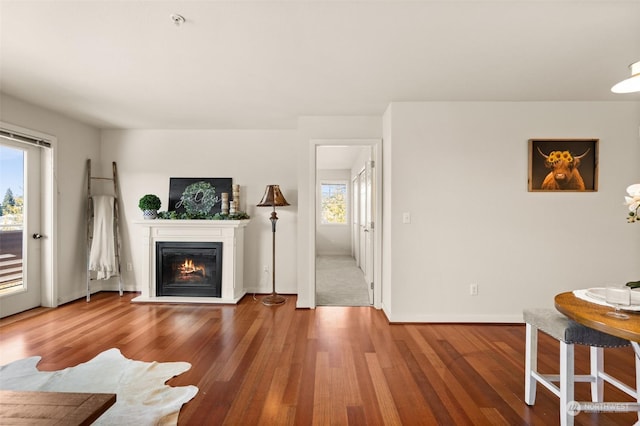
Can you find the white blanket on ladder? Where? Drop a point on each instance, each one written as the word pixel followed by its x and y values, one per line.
pixel 102 257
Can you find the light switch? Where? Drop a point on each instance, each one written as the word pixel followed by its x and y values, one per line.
pixel 406 217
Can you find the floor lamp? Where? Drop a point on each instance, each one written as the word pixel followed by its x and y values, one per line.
pixel 273 198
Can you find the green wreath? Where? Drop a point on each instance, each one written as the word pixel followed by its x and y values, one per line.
pixel 199 198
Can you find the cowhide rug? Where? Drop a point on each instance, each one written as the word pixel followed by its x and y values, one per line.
pixel 142 397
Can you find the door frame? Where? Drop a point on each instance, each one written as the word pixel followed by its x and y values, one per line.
pixel 48 259
pixel 376 152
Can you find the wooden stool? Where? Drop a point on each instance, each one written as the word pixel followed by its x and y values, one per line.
pixel 568 333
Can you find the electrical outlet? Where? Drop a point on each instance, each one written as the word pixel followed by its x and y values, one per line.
pixel 129 267
pixel 406 217
pixel 265 268
pixel 473 289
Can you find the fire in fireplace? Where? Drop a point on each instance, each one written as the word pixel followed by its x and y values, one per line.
pixel 189 269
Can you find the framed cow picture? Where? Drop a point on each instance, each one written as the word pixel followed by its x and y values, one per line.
pixel 560 165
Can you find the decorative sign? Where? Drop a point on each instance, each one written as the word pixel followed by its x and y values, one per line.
pixel 197 195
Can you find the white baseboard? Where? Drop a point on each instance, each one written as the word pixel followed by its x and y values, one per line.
pixel 455 318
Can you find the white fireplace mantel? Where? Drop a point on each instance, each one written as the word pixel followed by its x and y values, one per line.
pixel 229 232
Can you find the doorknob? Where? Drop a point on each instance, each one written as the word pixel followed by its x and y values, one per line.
pixel 36 236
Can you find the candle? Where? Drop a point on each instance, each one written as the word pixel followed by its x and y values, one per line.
pixel 236 196
pixel 224 205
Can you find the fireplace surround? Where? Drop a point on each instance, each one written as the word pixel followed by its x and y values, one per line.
pixel 201 237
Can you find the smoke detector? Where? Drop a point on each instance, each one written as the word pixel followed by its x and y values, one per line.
pixel 177 19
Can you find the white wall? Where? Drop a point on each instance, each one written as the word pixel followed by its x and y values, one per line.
pixel 460 169
pixel 253 158
pixel 76 143
pixel 334 239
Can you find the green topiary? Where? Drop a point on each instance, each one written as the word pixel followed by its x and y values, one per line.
pixel 149 202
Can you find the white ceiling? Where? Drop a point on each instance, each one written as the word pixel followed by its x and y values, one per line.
pixel 262 64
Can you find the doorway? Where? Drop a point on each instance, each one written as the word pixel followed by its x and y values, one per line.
pixel 344 217
pixel 26 231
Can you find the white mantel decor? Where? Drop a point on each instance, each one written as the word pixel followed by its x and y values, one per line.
pixel 229 232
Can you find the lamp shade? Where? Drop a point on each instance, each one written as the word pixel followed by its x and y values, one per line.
pixel 631 84
pixel 272 197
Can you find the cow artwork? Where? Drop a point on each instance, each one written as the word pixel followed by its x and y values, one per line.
pixel 564 174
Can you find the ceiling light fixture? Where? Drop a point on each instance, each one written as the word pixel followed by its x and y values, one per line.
pixel 177 19
pixel 631 84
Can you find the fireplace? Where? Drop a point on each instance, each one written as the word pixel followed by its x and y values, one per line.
pixel 192 269
pixel 229 257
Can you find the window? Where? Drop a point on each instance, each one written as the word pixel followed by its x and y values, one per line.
pixel 12 180
pixel 333 203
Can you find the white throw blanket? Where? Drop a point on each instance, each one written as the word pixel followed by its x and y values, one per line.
pixel 102 257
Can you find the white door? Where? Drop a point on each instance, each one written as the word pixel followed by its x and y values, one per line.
pixel 362 220
pixel 366 239
pixel 20 251
pixel 369 229
pixel 355 230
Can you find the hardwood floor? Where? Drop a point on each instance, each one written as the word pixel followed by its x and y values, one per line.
pixel 278 365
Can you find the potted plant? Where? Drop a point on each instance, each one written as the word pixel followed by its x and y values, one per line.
pixel 149 204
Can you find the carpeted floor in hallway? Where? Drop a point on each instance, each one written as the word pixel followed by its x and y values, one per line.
pixel 339 282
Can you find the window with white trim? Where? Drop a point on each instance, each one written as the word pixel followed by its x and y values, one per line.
pixel 334 208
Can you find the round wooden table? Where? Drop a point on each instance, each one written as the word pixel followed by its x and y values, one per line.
pixel 595 316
